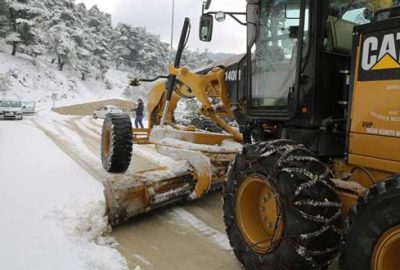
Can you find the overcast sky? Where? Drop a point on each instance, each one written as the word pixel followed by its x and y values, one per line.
pixel 155 15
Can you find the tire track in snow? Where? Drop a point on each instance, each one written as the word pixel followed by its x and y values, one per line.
pixel 79 145
pixel 218 238
pixel 61 137
pixel 89 124
pixel 96 122
pixel 84 127
pixel 90 139
pixel 142 259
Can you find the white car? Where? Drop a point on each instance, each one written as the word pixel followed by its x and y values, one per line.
pixel 104 110
pixel 29 107
pixel 11 109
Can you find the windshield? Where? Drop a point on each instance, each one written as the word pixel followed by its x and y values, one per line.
pixel 274 60
pixel 29 104
pixel 359 11
pixel 10 103
pixel 344 15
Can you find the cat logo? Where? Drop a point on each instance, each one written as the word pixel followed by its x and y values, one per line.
pixel 385 56
pixel 380 56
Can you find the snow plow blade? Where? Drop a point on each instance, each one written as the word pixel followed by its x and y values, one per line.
pixel 182 170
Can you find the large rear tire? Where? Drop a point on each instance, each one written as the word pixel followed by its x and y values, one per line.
pixel 372 230
pixel 281 210
pixel 204 123
pixel 116 143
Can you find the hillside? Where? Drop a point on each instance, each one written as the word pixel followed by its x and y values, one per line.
pixel 58 46
pixel 21 78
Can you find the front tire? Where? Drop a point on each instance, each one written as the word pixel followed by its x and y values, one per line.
pixel 280 208
pixel 116 143
pixel 372 230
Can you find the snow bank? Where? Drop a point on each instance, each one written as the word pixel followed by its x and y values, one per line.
pixel 87 227
pixel 52 209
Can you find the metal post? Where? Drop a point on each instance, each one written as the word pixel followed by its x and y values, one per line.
pixel 172 31
pixel 54 98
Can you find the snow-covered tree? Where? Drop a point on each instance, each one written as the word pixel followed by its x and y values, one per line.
pixel 83 39
pixel 24 16
pixel 120 44
pixel 61 30
pixel 79 37
pixel 5 23
pixel 195 59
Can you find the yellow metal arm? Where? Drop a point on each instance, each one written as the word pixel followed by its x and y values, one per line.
pixel 204 87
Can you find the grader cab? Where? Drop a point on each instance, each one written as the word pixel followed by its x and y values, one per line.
pixel 316 98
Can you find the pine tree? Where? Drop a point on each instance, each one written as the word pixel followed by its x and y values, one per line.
pixel 5 23
pixel 24 16
pixel 61 30
pixel 119 44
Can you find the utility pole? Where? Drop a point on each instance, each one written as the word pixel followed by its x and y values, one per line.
pixel 172 31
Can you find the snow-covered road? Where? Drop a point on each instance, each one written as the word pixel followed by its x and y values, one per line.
pixel 51 209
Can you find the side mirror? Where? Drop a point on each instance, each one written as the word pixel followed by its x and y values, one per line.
pixel 207 4
pixel 206 27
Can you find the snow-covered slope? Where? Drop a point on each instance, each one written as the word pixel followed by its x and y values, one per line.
pixel 22 78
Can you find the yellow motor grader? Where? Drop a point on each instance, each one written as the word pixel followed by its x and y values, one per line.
pixel 317 101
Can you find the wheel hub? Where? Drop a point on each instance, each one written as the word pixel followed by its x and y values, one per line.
pixel 106 141
pixel 386 251
pixel 259 213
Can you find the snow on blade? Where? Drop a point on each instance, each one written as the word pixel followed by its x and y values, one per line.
pixel 174 167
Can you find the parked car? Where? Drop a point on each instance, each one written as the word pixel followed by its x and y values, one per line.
pixel 28 107
pixel 104 110
pixel 11 109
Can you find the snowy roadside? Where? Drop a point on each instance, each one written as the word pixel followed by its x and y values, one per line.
pixel 52 210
